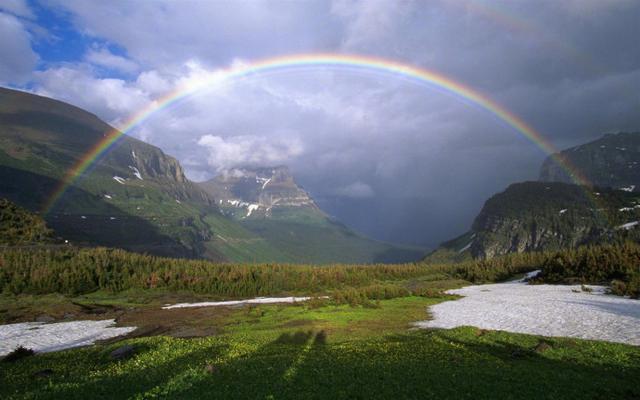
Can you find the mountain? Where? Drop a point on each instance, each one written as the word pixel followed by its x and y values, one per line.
pixel 536 216
pixel 269 203
pixel 554 213
pixel 611 161
pixel 138 198
pixel 258 192
pixel 135 197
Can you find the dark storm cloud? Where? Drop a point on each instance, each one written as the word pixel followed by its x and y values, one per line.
pixel 416 161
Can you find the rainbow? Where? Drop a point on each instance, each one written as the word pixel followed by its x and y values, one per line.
pixel 271 65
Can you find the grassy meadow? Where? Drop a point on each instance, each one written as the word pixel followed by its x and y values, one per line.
pixel 358 343
pixel 329 351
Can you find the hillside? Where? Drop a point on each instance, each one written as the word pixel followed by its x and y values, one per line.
pixel 20 227
pixel 135 197
pixel 537 216
pixel 611 161
pixel 269 203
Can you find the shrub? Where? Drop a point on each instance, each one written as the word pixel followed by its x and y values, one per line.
pixel 19 353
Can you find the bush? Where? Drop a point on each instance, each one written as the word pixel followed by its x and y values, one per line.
pixel 18 354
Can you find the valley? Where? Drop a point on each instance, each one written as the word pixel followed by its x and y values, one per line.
pixel 319 199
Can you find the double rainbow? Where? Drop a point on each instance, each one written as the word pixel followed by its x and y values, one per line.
pixel 270 65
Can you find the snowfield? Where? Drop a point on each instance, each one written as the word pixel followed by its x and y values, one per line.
pixel 547 310
pixel 257 300
pixel 43 338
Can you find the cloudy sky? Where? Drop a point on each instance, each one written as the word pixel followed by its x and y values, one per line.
pixel 398 160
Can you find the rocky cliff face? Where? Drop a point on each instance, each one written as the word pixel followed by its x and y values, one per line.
pixel 611 161
pixel 134 196
pixel 542 216
pixel 139 162
pixel 247 192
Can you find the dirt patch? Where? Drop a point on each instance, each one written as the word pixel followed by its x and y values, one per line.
pixel 183 323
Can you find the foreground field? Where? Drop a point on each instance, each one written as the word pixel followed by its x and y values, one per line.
pixel 360 343
pixel 326 351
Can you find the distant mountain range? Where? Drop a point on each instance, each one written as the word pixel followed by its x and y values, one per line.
pixel 138 198
pixel 554 214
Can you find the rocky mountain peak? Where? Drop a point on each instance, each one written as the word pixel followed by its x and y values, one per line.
pixel 248 191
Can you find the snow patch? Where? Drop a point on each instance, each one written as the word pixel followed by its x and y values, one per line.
pixel 628 225
pixel 257 300
pixel 628 188
pixel 108 196
pixel 251 208
pixel 118 179
pixel 59 336
pixel 465 247
pixel 266 183
pixel 178 201
pixel 548 310
pixel 133 154
pixel 564 210
pixel 136 172
pixel 237 203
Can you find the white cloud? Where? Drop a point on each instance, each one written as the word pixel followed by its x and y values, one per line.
pixel 225 153
pixel 17 60
pixel 19 8
pixel 369 21
pixel 163 33
pixel 356 190
pixel 104 58
pixel 112 99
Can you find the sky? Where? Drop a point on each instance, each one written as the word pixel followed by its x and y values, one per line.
pixel 396 160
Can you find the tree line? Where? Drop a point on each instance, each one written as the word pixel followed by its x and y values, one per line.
pixel 75 271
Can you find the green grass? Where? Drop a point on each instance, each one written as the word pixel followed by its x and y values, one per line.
pixel 278 352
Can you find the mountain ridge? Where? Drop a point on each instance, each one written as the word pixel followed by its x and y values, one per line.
pixel 554 213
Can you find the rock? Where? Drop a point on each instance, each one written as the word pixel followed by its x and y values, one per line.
pixel 124 352
pixel 45 318
pixel 210 368
pixel 542 347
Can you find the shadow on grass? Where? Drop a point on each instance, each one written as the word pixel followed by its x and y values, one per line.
pixel 433 364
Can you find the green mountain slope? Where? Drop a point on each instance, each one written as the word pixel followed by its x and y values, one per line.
pixel 268 202
pixel 135 197
pixel 536 216
pixel 611 161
